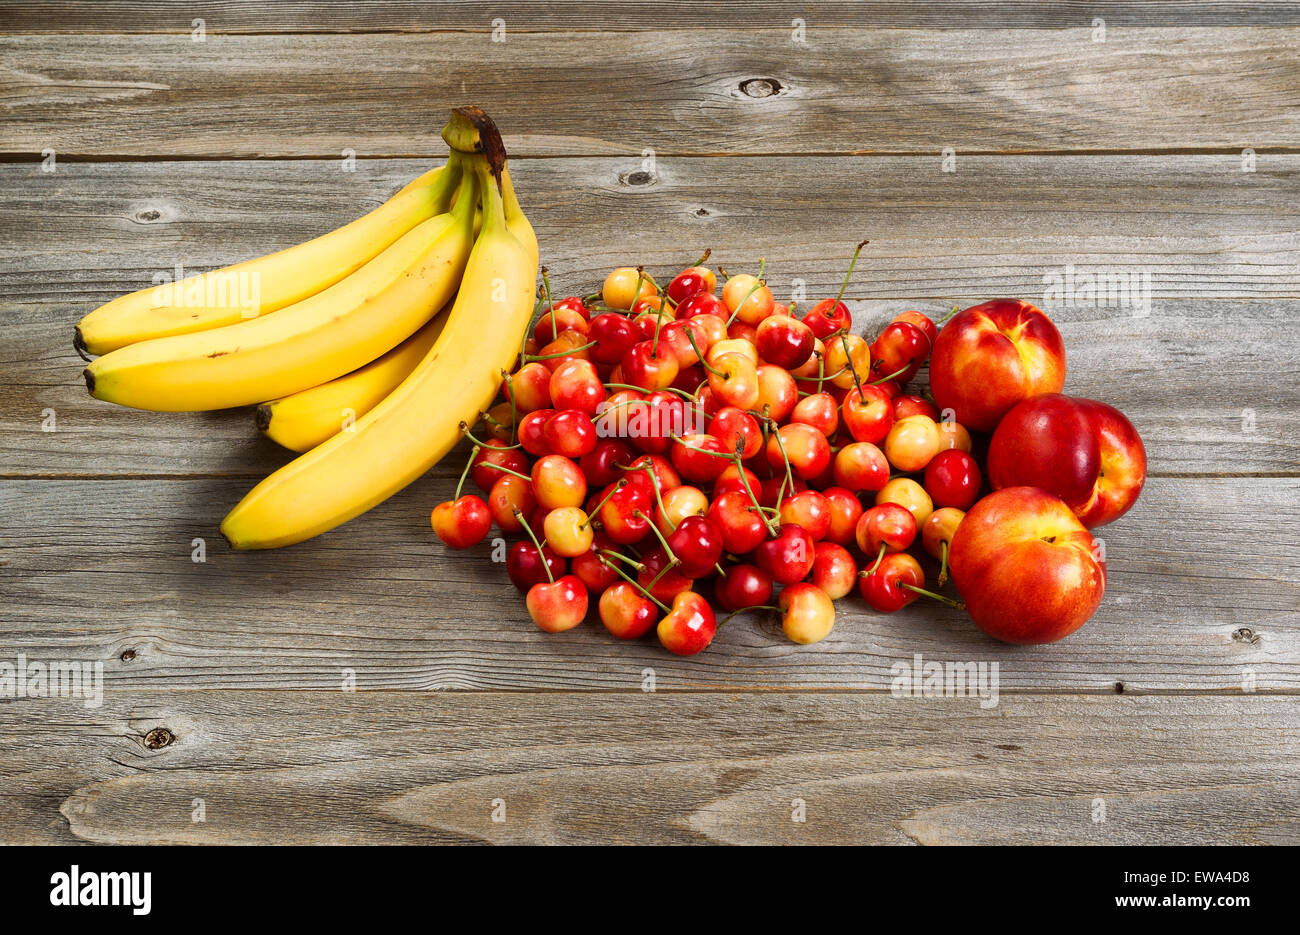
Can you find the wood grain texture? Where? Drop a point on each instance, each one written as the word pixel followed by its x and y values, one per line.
pixel 707 91
pixel 1202 595
pixel 254 16
pixel 406 767
pixel 1210 374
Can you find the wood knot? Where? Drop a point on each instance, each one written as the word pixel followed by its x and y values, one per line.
pixel 639 177
pixel 1119 688
pixel 149 214
pixel 127 655
pixel 761 87
pixel 158 738
pixel 701 212
pixel 1245 635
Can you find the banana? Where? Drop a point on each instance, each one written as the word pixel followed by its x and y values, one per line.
pixel 419 422
pixel 322 337
pixel 243 291
pixel 303 420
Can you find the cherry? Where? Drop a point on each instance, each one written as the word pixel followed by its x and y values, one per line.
pixel 743 586
pixel 697 543
pixel 868 414
pixel 912 442
pixel 834 570
pixel 900 347
pixel 593 568
pixel 626 612
pixel 936 535
pixel 614 335
pixel 678 503
pixel 557 482
pixel 733 377
pixel 739 521
pixel 789 556
pixel 569 345
pixel 909 404
pixel 907 493
pixel 860 466
pixel 574 303
pixel 559 319
pixel 576 385
pixel 953 435
pixel 777 486
pixel 461 523
pixel 735 478
pixel 818 410
pixel 848 361
pixel 885 528
pixel 624 512
pixel 927 326
pixel 845 513
pixel 532 431
pixel 649 367
pixel 737 430
pixel 828 317
pixel 508 495
pixel 884 588
pixel 624 286
pixel 493 455
pixel 748 298
pixel 952 479
pixel 653 472
pixel 524 565
pixel 689 627
pixel 802 446
pixel 777 392
pixel 784 341
pixel 808 509
pixel 529 387
pixel 601 464
pixel 558 605
pixel 570 432
pixel 662 579
pixel 690 282
pixel 809 613
pixel 703 303
pixel 568 531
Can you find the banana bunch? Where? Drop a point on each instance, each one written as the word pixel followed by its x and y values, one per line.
pixel 365 350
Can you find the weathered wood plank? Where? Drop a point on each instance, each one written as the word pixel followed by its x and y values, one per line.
pixel 1210 375
pixel 1203 595
pixel 577 93
pixel 277 767
pixel 253 16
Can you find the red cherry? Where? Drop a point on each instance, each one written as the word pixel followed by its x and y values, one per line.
pixel 735 478
pixel 625 513
pixel 861 466
pixel 818 410
pixel 550 326
pixel 461 523
pixel 702 303
pixel 626 612
pixel 927 326
pixel 888 526
pixel 557 606
pixel 593 570
pixel 883 588
pixel 846 510
pixel 570 433
pixel 689 627
pixel 697 543
pixel 508 494
pixel 808 509
pixel 600 465
pixel 614 335
pixel 697 458
pixel 806 448
pixel 558 482
pixel 524 565
pixel 909 404
pixel 952 478
pixel 661 580
pixel 649 367
pixel 687 283
pixel 828 317
pixel 576 385
pixel 483 471
pixel 529 387
pixel 834 570
pixel 742 527
pixel 784 341
pixel 743 586
pixel 733 427
pixel 868 413
pixel 901 346
pixel 532 432
pixel 787 557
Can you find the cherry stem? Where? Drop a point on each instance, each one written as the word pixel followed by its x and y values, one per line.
pixel 880 557
pixel 857 381
pixel 789 474
pixel 888 378
pixel 703 363
pixel 941 598
pixel 546 566
pixel 622 558
pixel 530 358
pixel 762 265
pixel 849 274
pixel 514 409
pixel 741 610
pixel 668 549
pixel 707 252
pixel 605 499
pixel 464 430
pixel 943 563
pixel 772 527
pixel 468 464
pixel 955 310
pixel 636 584
pixel 630 386
pixel 550 303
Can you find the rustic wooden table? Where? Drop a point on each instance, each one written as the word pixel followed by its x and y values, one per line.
pixel 980 158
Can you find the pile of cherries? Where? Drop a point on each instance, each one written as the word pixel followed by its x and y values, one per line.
pixel 658 447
